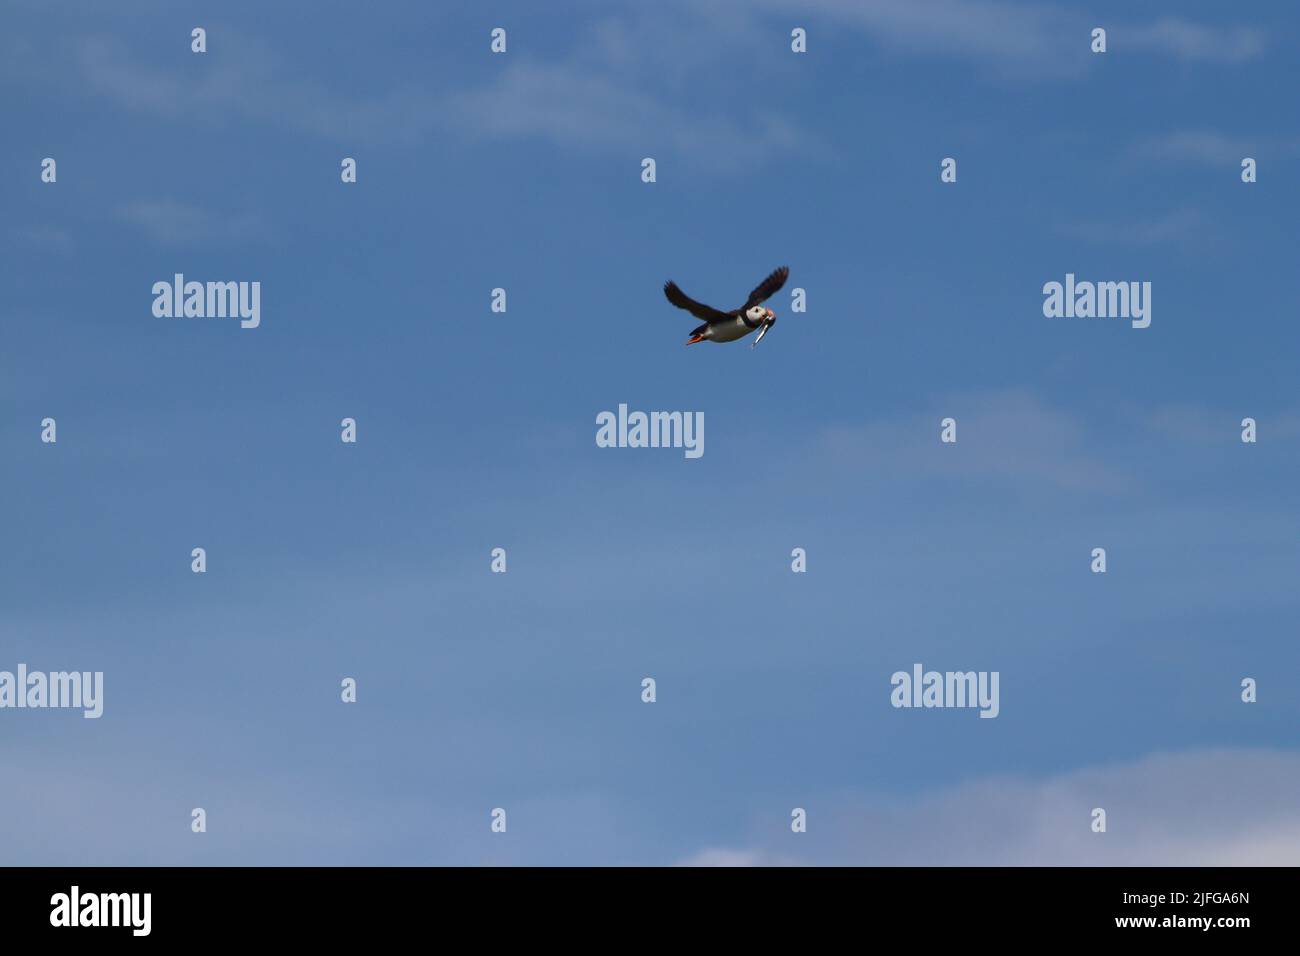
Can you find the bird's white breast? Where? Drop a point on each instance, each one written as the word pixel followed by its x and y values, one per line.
pixel 730 330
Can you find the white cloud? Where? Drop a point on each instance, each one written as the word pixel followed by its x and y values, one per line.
pixel 1181 225
pixel 44 237
pixel 1192 424
pixel 1009 436
pixel 571 101
pixel 712 857
pixel 1202 147
pixel 627 80
pixel 1202 808
pixel 988 30
pixel 249 83
pixel 173 223
pixel 1185 40
pixel 1038 38
pixel 568 106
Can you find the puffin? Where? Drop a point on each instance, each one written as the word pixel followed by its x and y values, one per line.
pixel 722 326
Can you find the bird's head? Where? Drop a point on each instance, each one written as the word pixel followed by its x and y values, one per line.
pixel 759 314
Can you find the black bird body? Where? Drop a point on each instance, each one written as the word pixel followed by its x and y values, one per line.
pixel 722 326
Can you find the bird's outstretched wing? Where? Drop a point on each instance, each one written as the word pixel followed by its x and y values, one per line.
pixel 698 309
pixel 768 287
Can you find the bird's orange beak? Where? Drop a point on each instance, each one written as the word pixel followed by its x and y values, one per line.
pixel 770 314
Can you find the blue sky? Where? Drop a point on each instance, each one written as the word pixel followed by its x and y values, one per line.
pixel 476 431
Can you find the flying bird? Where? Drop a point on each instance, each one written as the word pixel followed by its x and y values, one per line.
pixel 722 326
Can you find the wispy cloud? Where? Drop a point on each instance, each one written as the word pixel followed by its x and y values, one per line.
pixel 566 106
pixel 1150 820
pixel 1187 423
pixel 249 83
pixel 175 223
pixel 1181 225
pixel 1010 36
pixel 1041 39
pixel 1009 436
pixel 45 237
pixel 714 857
pixel 575 101
pixel 595 95
pixel 1200 147
pixel 1185 40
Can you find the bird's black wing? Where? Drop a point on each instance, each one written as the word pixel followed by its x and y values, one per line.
pixel 768 287
pixel 698 309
